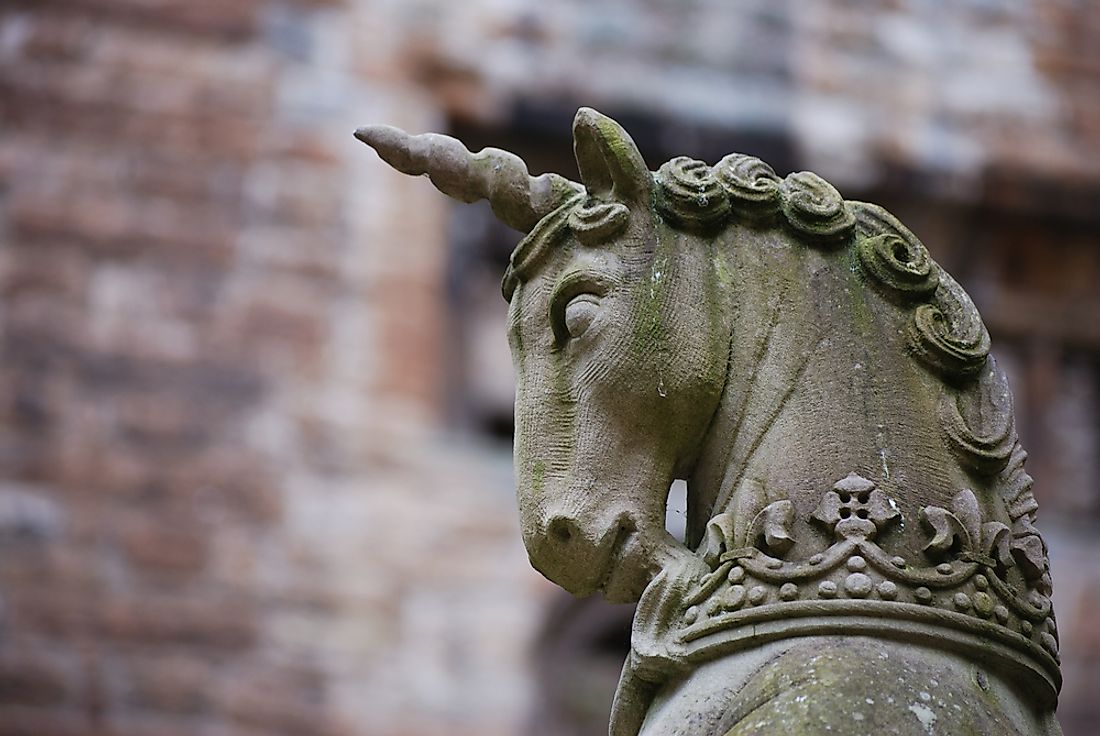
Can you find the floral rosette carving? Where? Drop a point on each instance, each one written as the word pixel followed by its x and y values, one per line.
pixel 689 194
pixel 813 206
pixel 948 335
pixel 752 186
pixel 855 507
pixel 900 269
pixel 596 222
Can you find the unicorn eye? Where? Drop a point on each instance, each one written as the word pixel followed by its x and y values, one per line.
pixel 579 313
pixel 576 303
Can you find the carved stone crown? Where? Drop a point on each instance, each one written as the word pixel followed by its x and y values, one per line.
pixel 954 592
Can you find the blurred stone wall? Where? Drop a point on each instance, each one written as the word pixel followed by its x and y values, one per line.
pixel 231 500
pixel 225 505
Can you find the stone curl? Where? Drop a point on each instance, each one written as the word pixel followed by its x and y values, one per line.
pixel 689 194
pixel 695 196
pixel 595 222
pixel 900 269
pixel 948 335
pixel 752 185
pixel 815 208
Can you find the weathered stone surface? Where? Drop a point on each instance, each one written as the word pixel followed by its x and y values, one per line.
pixel 860 524
pixel 208 407
pixel 128 104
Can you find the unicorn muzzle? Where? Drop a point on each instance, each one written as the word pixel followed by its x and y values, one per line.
pixel 580 557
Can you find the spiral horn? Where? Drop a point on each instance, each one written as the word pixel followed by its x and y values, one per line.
pixel 518 199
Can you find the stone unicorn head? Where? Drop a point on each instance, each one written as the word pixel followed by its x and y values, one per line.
pixel 826 390
pixel 618 367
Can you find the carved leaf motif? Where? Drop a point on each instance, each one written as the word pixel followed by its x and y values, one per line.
pixel 996 543
pixel 652 656
pixel 946 529
pixel 1031 553
pixel 965 506
pixel 748 499
pixel 719 538
pixel 1028 548
pixel 881 510
pixel 774 524
pixel 828 511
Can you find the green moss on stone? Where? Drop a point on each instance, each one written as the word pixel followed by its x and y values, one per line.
pixel 538 476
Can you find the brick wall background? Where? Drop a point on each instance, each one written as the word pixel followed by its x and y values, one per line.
pixel 237 494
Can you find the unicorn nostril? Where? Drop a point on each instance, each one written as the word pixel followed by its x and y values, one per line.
pixel 560 529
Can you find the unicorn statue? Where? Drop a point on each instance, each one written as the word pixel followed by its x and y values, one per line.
pixel 860 555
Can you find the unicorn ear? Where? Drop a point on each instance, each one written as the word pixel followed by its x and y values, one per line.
pixel 609 161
